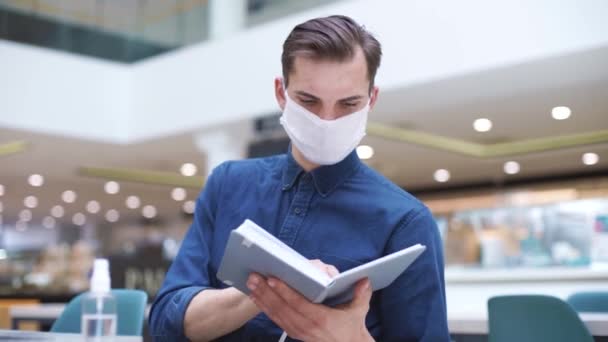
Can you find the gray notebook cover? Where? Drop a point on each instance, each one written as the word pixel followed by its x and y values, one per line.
pixel 251 250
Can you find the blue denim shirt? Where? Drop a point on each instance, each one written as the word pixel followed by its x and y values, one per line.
pixel 344 214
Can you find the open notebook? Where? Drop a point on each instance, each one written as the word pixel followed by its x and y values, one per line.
pixel 250 249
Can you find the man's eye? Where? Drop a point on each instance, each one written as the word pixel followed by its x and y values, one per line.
pixel 308 102
pixel 349 104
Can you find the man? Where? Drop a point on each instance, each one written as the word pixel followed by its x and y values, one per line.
pixel 320 199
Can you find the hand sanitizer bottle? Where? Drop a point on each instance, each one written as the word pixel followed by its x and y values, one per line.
pixel 99 306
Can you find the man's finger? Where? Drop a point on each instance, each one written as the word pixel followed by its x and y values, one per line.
pixel 331 270
pixel 295 300
pixel 273 305
pixel 362 295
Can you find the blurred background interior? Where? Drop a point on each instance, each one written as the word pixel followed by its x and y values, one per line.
pixel 112 114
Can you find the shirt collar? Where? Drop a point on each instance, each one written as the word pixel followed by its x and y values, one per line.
pixel 326 177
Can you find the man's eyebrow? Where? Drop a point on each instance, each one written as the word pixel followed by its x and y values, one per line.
pixel 346 99
pixel 351 98
pixel 305 94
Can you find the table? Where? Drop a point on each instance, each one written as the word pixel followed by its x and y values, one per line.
pixel 476 323
pixel 43 313
pixel 22 336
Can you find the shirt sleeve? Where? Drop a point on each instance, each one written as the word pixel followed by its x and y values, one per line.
pixel 188 274
pixel 413 308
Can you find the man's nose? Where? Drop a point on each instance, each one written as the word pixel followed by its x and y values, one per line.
pixel 326 114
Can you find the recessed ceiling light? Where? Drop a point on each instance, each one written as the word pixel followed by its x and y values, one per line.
pixel 482 125
pixel 35 180
pixel 79 219
pixel 133 202
pixel 30 202
pixel 188 207
pixel 148 211
pixel 188 169
pixel 93 207
pixel 48 222
pixel 112 187
pixel 112 215
pixel 25 215
pixel 178 194
pixel 68 196
pixel 442 175
pixel 57 211
pixel 1 190
pixel 561 113
pixel 365 151
pixel 590 158
pixel 511 167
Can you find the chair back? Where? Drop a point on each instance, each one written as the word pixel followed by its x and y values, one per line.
pixel 589 301
pixel 532 318
pixel 130 311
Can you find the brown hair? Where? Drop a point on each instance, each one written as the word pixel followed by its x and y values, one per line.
pixel 334 38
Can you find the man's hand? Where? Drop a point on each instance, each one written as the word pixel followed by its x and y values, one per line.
pixel 307 321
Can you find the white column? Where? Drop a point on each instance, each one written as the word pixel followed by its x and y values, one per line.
pixel 226 17
pixel 227 143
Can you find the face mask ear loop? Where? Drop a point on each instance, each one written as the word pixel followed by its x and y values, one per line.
pixel 283 337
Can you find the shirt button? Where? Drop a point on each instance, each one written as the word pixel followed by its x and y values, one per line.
pixel 297 211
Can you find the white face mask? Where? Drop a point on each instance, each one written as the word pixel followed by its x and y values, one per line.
pixel 323 142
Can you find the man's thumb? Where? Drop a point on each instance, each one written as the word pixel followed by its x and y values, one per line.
pixel 363 294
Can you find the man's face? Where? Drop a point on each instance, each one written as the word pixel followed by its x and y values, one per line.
pixel 327 88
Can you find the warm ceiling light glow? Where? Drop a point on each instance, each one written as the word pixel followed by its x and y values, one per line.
pixel 112 215
pixel 482 125
pixel 365 151
pixel 57 211
pixel 25 215
pixel 93 207
pixel 561 113
pixel 511 167
pixel 149 211
pixel 79 219
pixel 133 202
pixel 442 175
pixel 35 180
pixel 178 194
pixel 68 196
pixel 30 202
pixel 48 222
pixel 188 169
pixel 1 190
pixel 188 207
pixel 590 158
pixel 112 187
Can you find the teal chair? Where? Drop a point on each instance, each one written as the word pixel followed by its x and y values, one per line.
pixel 534 318
pixel 130 308
pixel 591 301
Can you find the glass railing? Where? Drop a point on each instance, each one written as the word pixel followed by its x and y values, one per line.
pixel 126 31
pixel 261 11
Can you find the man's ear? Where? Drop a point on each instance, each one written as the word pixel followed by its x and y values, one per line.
pixel 279 92
pixel 373 97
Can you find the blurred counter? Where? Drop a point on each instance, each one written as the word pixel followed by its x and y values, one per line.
pixel 458 275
